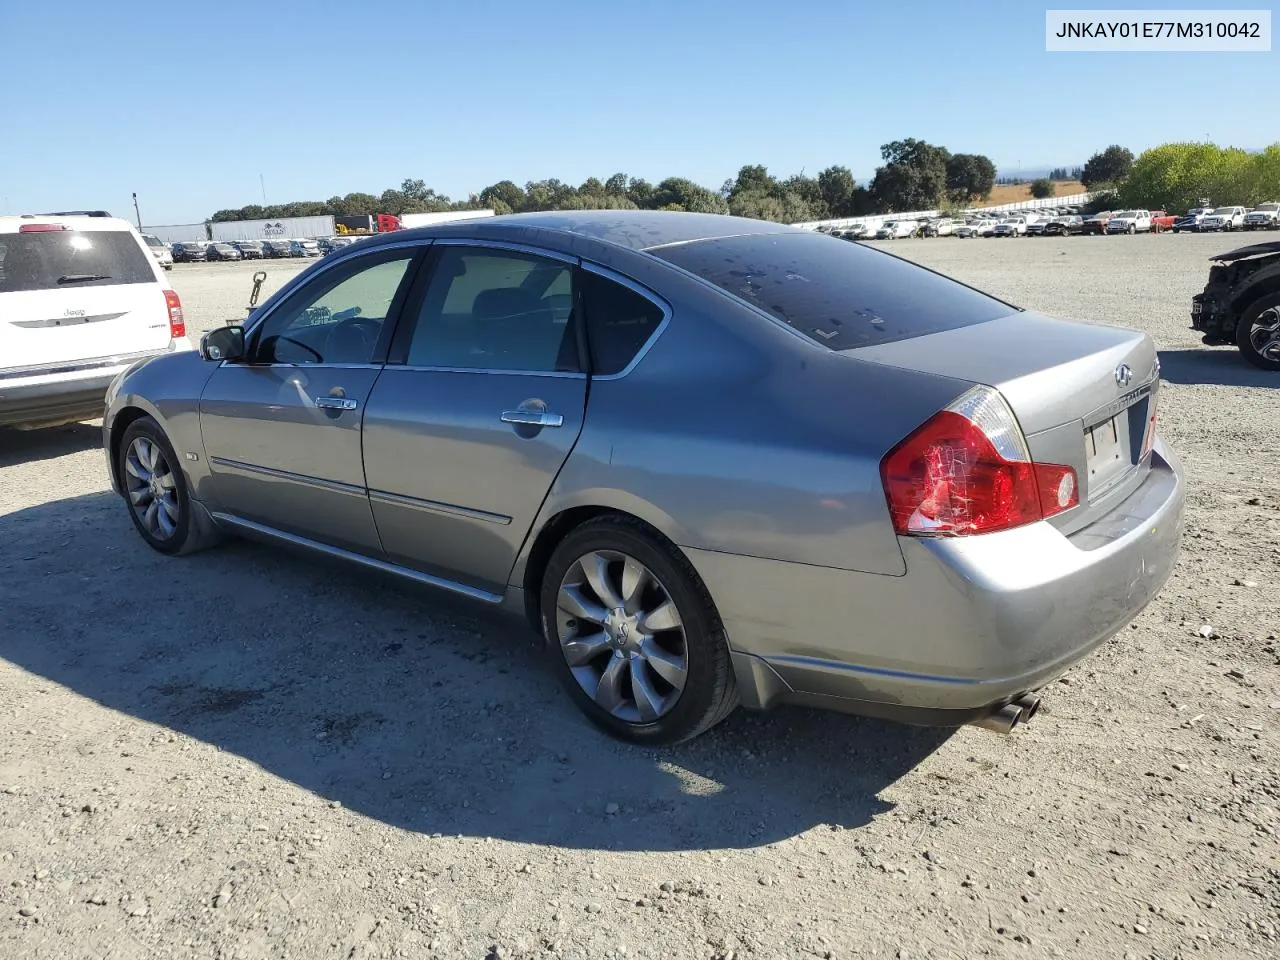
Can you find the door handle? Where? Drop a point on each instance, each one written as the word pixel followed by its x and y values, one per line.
pixel 533 418
pixel 336 403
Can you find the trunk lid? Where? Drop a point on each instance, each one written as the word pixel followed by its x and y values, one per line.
pixel 1083 393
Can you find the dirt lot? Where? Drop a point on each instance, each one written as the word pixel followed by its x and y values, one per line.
pixel 242 754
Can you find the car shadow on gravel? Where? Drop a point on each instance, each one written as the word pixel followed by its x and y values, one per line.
pixel 408 707
pixel 1217 366
pixel 30 446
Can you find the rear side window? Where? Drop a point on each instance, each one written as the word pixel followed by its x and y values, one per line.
pixel 66 259
pixel 619 322
pixel 839 294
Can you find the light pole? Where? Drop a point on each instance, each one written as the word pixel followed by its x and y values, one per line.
pixel 136 212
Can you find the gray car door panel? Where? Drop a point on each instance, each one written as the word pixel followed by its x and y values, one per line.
pixel 476 413
pixel 282 430
pixel 454 487
pixel 278 458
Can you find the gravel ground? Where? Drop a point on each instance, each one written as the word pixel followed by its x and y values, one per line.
pixel 246 754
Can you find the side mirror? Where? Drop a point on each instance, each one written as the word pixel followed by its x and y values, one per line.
pixel 226 343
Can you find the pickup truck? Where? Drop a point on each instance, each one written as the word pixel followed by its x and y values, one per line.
pixel 1265 216
pixel 1130 221
pixel 1162 220
pixel 1223 218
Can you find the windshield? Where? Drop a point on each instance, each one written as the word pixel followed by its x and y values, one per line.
pixel 57 259
pixel 153 241
pixel 1267 207
pixel 840 295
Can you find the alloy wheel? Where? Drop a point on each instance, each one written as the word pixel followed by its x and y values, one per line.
pixel 152 490
pixel 1264 335
pixel 622 636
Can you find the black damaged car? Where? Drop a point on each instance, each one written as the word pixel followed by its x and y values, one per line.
pixel 1241 303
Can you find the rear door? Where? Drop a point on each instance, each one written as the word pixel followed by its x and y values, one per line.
pixel 479 406
pixel 70 294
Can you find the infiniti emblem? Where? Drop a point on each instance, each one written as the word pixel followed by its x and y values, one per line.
pixel 1123 375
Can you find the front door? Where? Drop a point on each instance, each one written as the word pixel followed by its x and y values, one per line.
pixel 282 429
pixel 478 408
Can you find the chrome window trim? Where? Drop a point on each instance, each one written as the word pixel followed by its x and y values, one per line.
pixel 242 365
pixel 646 293
pixel 331 485
pixel 231 520
pixel 490 371
pixel 437 506
pixel 324 265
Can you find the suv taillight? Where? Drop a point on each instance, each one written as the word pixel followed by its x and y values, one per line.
pixel 967 470
pixel 177 323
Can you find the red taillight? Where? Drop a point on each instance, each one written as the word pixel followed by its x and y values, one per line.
pixel 967 470
pixel 177 323
pixel 41 227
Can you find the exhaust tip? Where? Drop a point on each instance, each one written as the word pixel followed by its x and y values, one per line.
pixel 1029 704
pixel 1000 721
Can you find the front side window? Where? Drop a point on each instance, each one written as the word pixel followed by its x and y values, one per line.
pixel 338 318
pixel 496 310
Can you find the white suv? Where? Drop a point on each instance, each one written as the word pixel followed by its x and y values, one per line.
pixel 81 299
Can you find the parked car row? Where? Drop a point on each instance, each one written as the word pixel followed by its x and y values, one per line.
pixel 201 251
pixel 1067 221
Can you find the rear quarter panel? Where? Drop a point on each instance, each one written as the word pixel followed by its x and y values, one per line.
pixel 736 435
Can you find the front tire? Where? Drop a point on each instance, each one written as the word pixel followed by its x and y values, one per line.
pixel 155 490
pixel 634 635
pixel 1258 332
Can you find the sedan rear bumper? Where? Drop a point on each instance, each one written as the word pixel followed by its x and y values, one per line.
pixel 975 621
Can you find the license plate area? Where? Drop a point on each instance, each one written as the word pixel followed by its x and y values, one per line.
pixel 1106 453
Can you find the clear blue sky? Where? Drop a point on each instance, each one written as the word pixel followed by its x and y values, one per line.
pixel 189 102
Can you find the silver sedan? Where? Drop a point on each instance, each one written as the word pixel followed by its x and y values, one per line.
pixel 712 461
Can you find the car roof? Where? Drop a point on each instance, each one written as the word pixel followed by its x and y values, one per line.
pixel 12 224
pixel 630 229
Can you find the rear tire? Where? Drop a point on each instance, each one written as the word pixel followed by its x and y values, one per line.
pixel 634 635
pixel 155 491
pixel 1262 348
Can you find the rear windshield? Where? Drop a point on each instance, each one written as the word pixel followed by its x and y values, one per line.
pixel 841 295
pixel 63 259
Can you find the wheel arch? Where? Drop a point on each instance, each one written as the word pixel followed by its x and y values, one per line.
pixel 566 518
pixel 129 413
pixel 1268 283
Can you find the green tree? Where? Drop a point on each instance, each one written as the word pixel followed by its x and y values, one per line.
pixel 752 178
pixel 838 190
pixel 914 176
pixel 1042 188
pixel 1108 166
pixel 687 195
pixel 504 196
pixel 640 192
pixel 616 185
pixel 970 177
